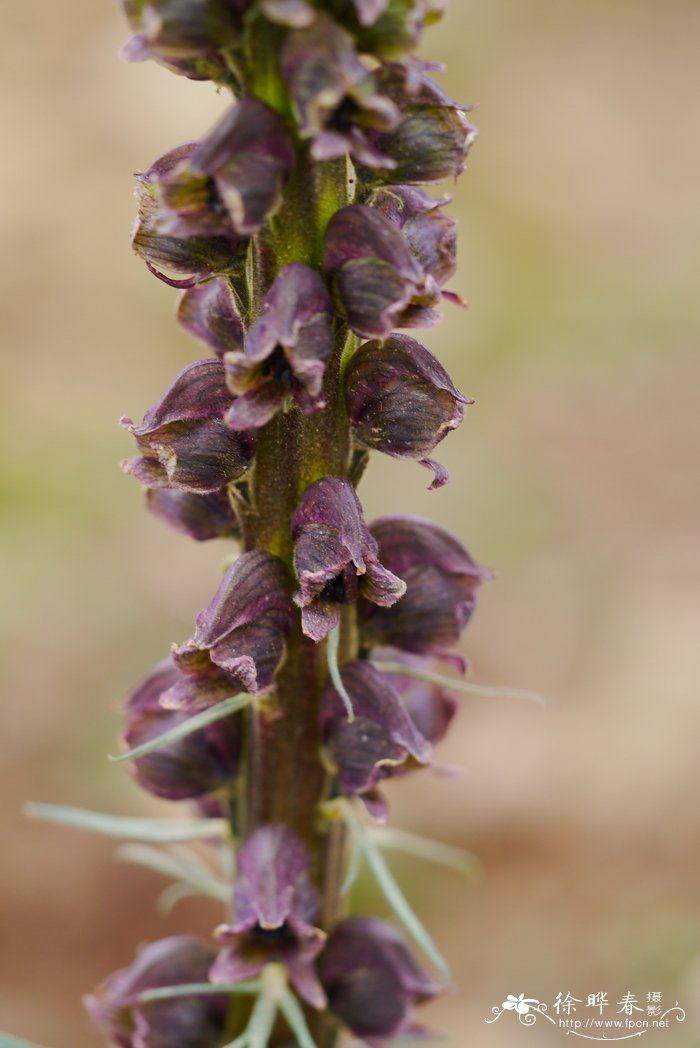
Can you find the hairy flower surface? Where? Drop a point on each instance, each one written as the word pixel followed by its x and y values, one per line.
pixel 442 583
pixel 183 441
pixel 335 557
pixel 239 640
pixel 274 904
pixel 379 282
pixel 188 1022
pixel 401 400
pixel 430 234
pixel 195 765
pixel 372 981
pixel 285 351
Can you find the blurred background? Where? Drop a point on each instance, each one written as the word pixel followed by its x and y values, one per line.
pixel 574 476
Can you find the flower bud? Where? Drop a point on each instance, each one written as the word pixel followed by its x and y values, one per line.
pixel 400 400
pixel 335 557
pixel 188 1022
pixel 388 27
pixel 285 352
pixel 239 639
pixel 373 982
pixel 381 737
pixel 334 94
pixel 196 765
pixel 183 441
pixel 379 282
pixel 442 584
pixel 433 136
pixel 274 904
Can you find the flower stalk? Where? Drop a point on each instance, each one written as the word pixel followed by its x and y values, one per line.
pixel 302 238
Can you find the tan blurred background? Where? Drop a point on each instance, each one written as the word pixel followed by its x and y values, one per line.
pixel 575 476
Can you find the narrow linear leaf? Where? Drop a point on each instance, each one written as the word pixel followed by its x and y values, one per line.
pixel 397 900
pixel 176 867
pixel 261 1022
pixel 353 865
pixel 425 848
pixel 152 831
pixel 6 1041
pixel 240 1042
pixel 464 687
pixel 332 645
pixel 297 1023
pixel 165 993
pixel 192 724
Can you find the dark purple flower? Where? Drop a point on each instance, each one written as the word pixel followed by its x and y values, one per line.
pixel 165 243
pixel 442 584
pixel 274 904
pixel 188 1022
pixel 373 982
pixel 196 765
pixel 239 639
pixel 335 557
pixel 430 234
pixel 431 708
pixel 433 137
pixel 181 31
pixel 379 281
pixel 208 312
pixel 285 352
pixel 233 179
pixel 400 400
pixel 202 517
pixel 381 737
pixel 183 441
pixel 334 94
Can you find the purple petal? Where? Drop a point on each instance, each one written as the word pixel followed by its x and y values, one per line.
pixel 207 311
pixel 202 517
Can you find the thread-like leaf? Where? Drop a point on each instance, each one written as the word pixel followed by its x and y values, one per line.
pixel 6 1041
pixel 297 1023
pixel 332 645
pixel 261 1022
pixel 151 831
pixel 180 869
pixel 425 848
pixel 464 687
pixel 165 993
pixel 198 720
pixel 396 899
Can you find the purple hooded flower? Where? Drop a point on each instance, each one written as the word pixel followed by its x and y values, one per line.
pixel 430 707
pixel 202 517
pixel 239 639
pixel 380 283
pixel 184 35
pixel 400 400
pixel 285 352
pixel 274 904
pixel 380 738
pixel 196 765
pixel 334 94
pixel 373 982
pixel 433 137
pixel 166 244
pixel 208 312
pixel 233 179
pixel 430 234
pixel 442 584
pixel 183 441
pixel 188 1022
pixel 335 557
